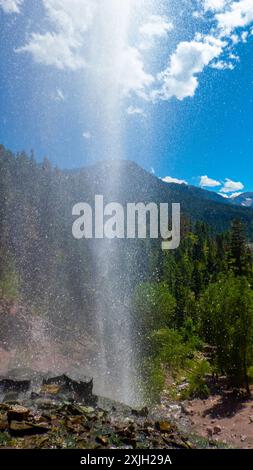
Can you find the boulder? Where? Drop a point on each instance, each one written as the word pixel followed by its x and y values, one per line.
pixel 17 413
pixel 61 387
pixel 78 388
pixel 143 412
pixel 12 385
pixel 20 429
pixel 20 380
pixel 11 398
pixel 51 389
pixel 164 426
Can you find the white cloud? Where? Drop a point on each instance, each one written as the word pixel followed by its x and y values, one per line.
pixel 206 182
pixel 214 5
pixel 235 38
pixel 169 179
pixel 231 186
pixel 190 59
pixel 234 57
pixel 62 48
pixel 71 16
pixel 134 110
pixel 244 36
pixel 239 14
pixel 54 49
pixel 120 66
pixel 222 65
pixel 210 39
pixel 87 135
pixel 130 74
pixel 11 6
pixel 156 26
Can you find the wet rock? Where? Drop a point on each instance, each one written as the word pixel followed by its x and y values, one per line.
pixel 148 431
pixel 17 413
pixel 12 385
pixel 148 424
pixel 163 426
pixel 41 419
pixel 79 388
pixel 4 407
pixel 177 442
pixel 87 409
pixel 45 403
pixel 72 409
pixel 143 412
pixel 11 397
pixel 217 429
pixel 102 440
pixel 127 421
pixel 75 425
pixel 76 420
pixel 22 379
pixel 20 429
pixel 51 389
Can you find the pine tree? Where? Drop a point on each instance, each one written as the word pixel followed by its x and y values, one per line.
pixel 226 312
pixel 239 255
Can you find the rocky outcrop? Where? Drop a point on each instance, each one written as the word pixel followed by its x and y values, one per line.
pixel 26 383
pixel 77 388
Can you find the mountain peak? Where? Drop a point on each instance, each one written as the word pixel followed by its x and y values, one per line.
pixel 244 199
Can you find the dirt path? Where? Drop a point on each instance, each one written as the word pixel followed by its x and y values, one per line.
pixel 224 417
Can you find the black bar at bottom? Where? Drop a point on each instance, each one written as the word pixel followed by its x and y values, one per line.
pixel 128 458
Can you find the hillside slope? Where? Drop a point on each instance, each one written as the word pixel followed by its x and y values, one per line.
pixel 125 181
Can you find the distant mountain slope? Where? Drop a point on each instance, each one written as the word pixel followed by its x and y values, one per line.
pixel 124 181
pixel 245 200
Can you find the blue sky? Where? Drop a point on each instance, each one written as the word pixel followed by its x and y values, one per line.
pixel 168 84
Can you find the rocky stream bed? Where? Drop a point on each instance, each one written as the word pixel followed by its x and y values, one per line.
pixel 44 411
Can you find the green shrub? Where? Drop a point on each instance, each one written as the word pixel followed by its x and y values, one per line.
pixel 198 387
pixel 156 381
pixel 170 348
pixel 154 305
pixel 226 312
